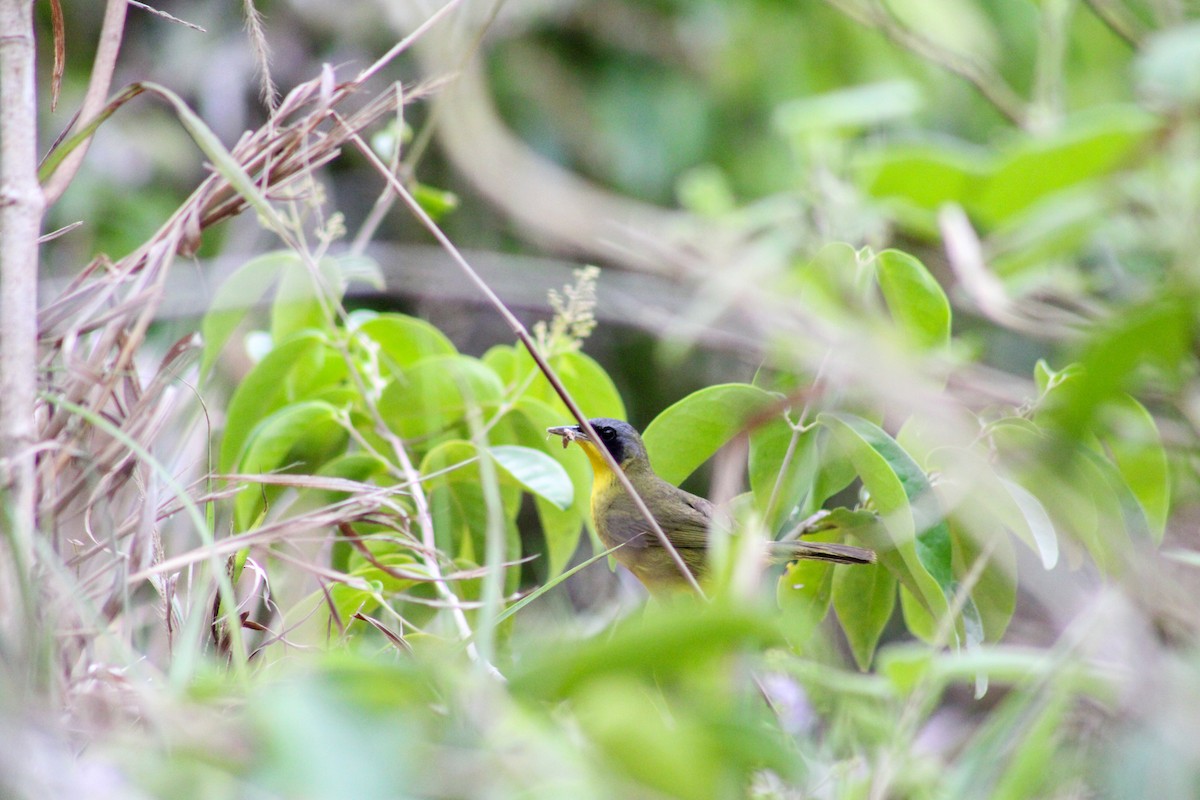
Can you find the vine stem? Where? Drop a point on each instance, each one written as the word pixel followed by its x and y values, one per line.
pixel 523 335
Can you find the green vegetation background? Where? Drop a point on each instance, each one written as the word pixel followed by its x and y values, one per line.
pixel 801 141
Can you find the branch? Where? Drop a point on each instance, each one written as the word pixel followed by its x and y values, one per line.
pixel 21 207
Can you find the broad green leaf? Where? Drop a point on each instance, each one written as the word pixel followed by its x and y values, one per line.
pixel 906 666
pixel 301 296
pixel 852 108
pixel 917 618
pixel 502 359
pixel 1044 468
pixel 664 641
pixel 1110 487
pixel 905 502
pixel 804 592
pixel 925 175
pixel 537 472
pixel 404 340
pixel 436 392
pixel 1042 537
pixel 456 461
pixel 460 521
pixel 560 527
pixel 985 502
pixel 298 369
pixel 833 282
pixel 585 380
pixel 1131 438
pixel 915 299
pixel 777 477
pixel 300 436
pixel 1156 334
pixel 688 433
pixel 994 596
pixel 864 597
pixel 236 296
pixel 351 466
pixel 1088 147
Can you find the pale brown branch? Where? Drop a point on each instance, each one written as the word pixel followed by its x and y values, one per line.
pixel 21 208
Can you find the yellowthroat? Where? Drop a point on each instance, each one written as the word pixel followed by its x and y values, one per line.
pixel 684 517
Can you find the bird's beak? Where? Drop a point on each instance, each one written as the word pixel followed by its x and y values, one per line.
pixel 569 433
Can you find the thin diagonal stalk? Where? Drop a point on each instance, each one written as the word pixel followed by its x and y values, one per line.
pixel 523 335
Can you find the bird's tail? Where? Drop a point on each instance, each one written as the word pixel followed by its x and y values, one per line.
pixel 821 551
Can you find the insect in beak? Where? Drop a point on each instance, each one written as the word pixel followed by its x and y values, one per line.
pixel 569 433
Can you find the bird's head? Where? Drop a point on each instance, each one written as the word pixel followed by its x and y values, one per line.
pixel 620 439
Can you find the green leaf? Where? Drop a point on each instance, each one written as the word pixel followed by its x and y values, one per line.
pixel 437 203
pixel 502 359
pixel 984 500
pixel 537 472
pixel 404 340
pixel 769 478
pixel 663 750
pixel 804 592
pixel 906 504
pixel 1040 529
pixel 864 597
pixel 994 595
pixel 689 432
pixel 560 527
pixel 662 642
pixel 585 380
pixel 915 299
pixel 239 292
pixel 436 392
pixel 1131 438
pixel 854 107
pixel 924 175
pixel 298 437
pixel 298 369
pixel 301 297
pixel 1157 334
pixel 1089 146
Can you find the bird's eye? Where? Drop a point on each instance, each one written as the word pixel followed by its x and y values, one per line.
pixel 607 434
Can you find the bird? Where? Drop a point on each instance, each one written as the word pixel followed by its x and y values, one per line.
pixel 685 518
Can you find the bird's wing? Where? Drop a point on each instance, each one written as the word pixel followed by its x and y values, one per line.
pixel 686 522
pixel 683 516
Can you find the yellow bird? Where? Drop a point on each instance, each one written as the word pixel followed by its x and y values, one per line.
pixel 684 517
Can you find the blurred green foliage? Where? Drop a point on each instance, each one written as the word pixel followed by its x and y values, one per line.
pixel 844 138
